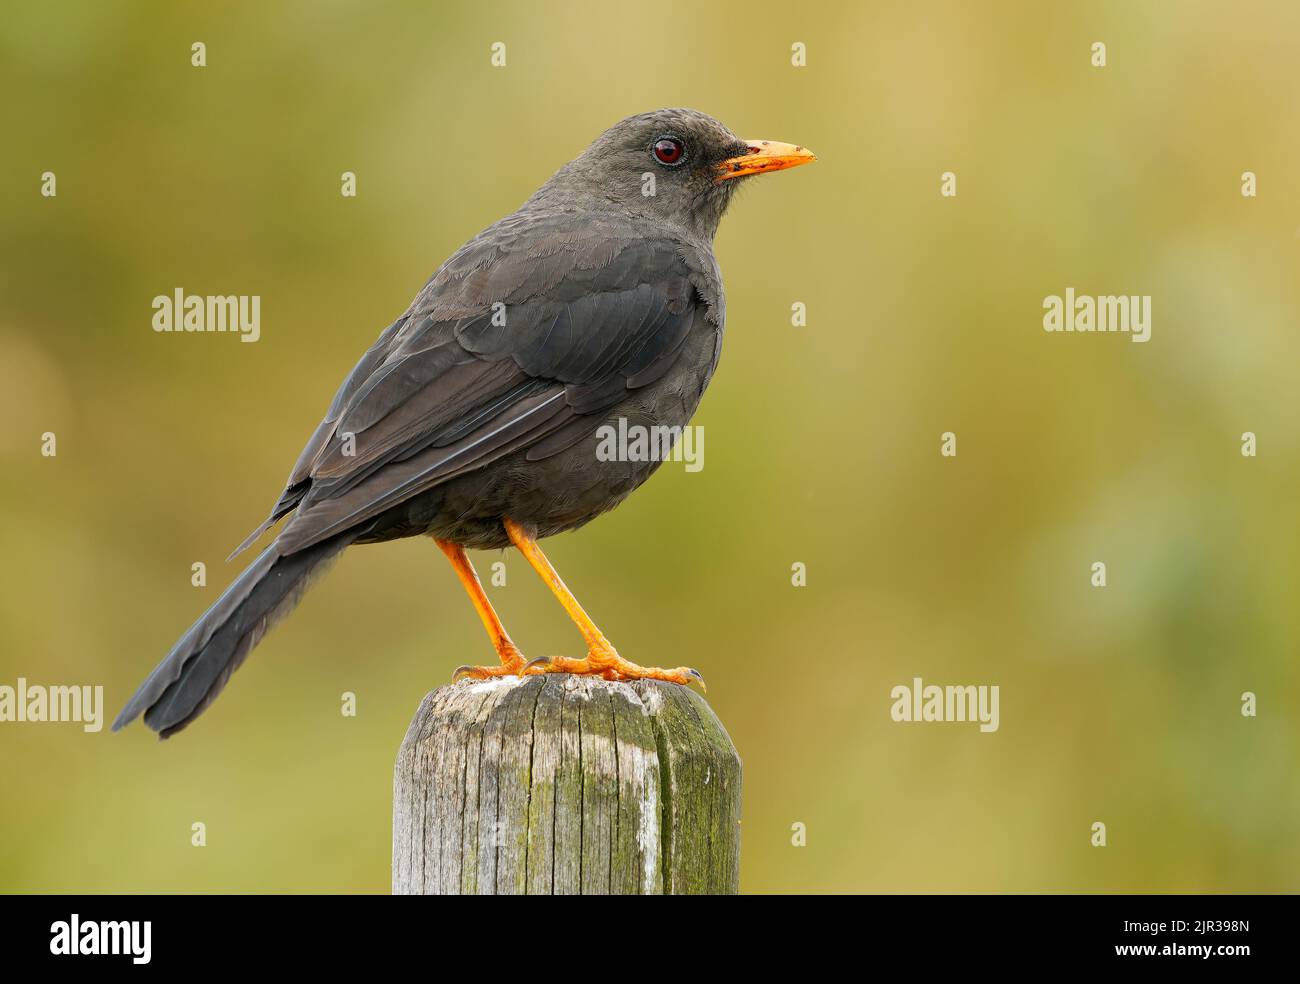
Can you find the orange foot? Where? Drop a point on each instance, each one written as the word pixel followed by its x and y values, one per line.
pixel 512 664
pixel 605 662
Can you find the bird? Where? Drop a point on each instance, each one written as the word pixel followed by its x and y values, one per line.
pixel 474 417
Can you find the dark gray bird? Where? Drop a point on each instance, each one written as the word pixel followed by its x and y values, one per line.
pixel 473 419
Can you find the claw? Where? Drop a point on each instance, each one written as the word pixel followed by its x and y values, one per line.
pixel 535 661
pixel 460 671
pixel 698 679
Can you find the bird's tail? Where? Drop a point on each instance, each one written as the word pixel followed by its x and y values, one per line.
pixel 182 686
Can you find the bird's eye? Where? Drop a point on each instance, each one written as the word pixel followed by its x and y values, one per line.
pixel 668 151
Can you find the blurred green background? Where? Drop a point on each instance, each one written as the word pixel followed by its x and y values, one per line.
pixel 1119 705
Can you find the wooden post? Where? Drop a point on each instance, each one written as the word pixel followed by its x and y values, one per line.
pixel 559 784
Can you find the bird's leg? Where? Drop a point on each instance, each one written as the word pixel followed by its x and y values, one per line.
pixel 602 658
pixel 512 660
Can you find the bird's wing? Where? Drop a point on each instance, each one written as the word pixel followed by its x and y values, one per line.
pixel 519 341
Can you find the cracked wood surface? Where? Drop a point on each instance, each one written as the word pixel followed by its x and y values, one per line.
pixel 559 784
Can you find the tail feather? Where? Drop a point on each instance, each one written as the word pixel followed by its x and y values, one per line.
pixel 182 686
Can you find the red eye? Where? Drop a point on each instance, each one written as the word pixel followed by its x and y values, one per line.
pixel 668 151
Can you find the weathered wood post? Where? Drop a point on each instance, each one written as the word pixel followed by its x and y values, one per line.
pixel 560 784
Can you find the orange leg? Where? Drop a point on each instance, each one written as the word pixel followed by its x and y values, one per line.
pixel 512 660
pixel 602 659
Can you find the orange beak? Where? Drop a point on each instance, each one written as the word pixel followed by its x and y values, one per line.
pixel 764 155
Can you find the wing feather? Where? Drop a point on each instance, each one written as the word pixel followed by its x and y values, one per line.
pixel 520 341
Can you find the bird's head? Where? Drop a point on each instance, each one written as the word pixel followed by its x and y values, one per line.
pixel 679 166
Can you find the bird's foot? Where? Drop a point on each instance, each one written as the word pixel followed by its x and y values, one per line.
pixel 605 662
pixel 512 664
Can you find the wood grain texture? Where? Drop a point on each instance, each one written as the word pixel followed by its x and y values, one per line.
pixel 559 784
